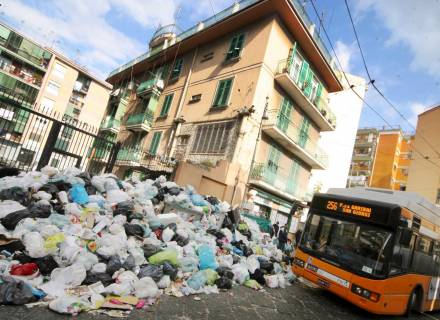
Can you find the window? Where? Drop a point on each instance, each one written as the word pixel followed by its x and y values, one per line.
pixel 223 92
pixel 235 47
pixel 59 71
pixel 55 162
pixel 166 105
pixel 53 88
pixel 177 69
pixel 155 142
pixel 195 98
pixel 47 104
pixel 35 136
pixel 212 138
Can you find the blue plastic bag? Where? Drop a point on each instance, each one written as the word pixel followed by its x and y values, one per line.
pixel 197 280
pixel 79 194
pixel 198 200
pixel 206 258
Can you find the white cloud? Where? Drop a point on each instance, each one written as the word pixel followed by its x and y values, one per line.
pixel 345 54
pixel 413 23
pixel 416 108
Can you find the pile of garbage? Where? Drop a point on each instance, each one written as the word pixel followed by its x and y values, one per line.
pixel 81 243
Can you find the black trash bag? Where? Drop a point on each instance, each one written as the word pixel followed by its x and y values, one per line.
pixel 46 264
pixel 235 259
pixel 172 226
pixel 91 190
pixel 23 258
pixel 40 210
pixel 157 184
pixel 216 233
pixel 150 249
pixel 181 241
pixel 17 194
pixel 125 208
pixel 10 244
pixel 13 218
pixel 247 251
pixel 223 283
pixel 174 191
pixel 227 223
pixel 62 185
pixel 92 278
pixel 169 270
pixel 50 188
pixel 8 172
pixel 113 265
pixel 152 271
pixel 258 276
pixel 129 263
pixel 133 230
pixel 86 177
pixel 212 200
pixel 155 201
pixel 13 291
pixel 266 265
pixel 58 207
pixel 135 216
pixel 225 272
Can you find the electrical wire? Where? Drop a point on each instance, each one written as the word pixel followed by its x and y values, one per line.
pixel 354 91
pixel 372 81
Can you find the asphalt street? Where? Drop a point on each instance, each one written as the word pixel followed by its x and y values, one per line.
pixel 295 302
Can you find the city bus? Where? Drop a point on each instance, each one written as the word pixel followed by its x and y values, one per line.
pixel 378 249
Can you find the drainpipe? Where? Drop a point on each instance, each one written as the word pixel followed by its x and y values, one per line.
pixel 176 128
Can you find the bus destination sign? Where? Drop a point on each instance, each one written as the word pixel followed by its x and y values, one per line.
pixel 349 209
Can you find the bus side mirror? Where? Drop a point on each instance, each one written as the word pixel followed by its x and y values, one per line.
pixel 405 237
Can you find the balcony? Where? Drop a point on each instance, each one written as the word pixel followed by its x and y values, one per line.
pixel 364 143
pixel 316 109
pixel 140 121
pixel 110 124
pixel 154 86
pixel 289 135
pixel 281 185
pixel 136 157
pixel 362 156
pixel 62 144
pixel 22 74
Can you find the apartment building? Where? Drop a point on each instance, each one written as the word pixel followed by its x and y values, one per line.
pixel 381 159
pixel 239 99
pixel 424 169
pixel 42 79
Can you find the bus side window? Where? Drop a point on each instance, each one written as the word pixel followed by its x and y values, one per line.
pixel 423 260
pixel 401 259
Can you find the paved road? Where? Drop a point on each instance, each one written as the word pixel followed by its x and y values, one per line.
pixel 295 302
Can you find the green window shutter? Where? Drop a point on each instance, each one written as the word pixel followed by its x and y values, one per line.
pixel 177 69
pixel 20 120
pixel 235 47
pixel 292 54
pixel 318 94
pixel 285 114
pixel 155 142
pixel 272 164
pixel 303 73
pixel 308 84
pixel 166 105
pixel 304 132
pixel 223 92
pixel 293 177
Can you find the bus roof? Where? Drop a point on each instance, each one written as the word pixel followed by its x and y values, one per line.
pixel 410 200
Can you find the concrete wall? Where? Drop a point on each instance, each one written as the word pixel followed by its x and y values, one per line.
pixel 424 176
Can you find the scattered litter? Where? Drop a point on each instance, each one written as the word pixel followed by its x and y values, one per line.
pixel 77 243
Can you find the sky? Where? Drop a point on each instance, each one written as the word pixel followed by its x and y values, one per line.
pixel 400 40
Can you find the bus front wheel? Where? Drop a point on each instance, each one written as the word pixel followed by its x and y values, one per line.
pixel 414 302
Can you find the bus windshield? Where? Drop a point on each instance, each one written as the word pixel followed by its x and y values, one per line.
pixel 357 246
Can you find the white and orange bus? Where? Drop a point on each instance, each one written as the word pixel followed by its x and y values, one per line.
pixel 378 249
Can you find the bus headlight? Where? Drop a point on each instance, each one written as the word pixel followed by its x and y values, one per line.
pixel 299 262
pixel 365 293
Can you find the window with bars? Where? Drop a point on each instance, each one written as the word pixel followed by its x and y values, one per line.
pixel 166 105
pixel 212 138
pixel 223 93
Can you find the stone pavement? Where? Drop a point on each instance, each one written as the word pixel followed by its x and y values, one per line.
pixel 295 302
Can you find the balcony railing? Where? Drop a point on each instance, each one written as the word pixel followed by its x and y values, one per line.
pixel 110 123
pixel 151 84
pixel 300 138
pixel 144 118
pixel 320 103
pixel 272 176
pixel 23 74
pixel 129 154
pixel 136 156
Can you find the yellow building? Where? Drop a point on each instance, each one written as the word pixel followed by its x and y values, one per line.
pixel 424 170
pixel 381 159
pixel 41 79
pixel 239 99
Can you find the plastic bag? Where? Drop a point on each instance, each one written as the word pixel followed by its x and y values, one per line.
pixel 113 265
pixel 69 305
pixel 197 280
pixel 92 278
pixel 282 283
pixel 253 284
pixel 133 230
pixel 86 259
pixel 271 281
pixel 150 250
pixel 210 276
pixel 145 288
pixel 189 264
pixel 252 263
pixel 225 272
pixel 167 235
pixel 152 271
pixel 223 283
pixel 258 275
pixel 164 282
pixel 15 193
pixel 78 194
pixel 34 244
pixel 46 264
pixel 169 256
pixel 99 268
pixel 207 258
pixel 12 219
pixel 117 196
pixel 170 271
pixel 241 273
pixel 225 261
pixel 13 291
pixel 51 243
pixel 9 206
